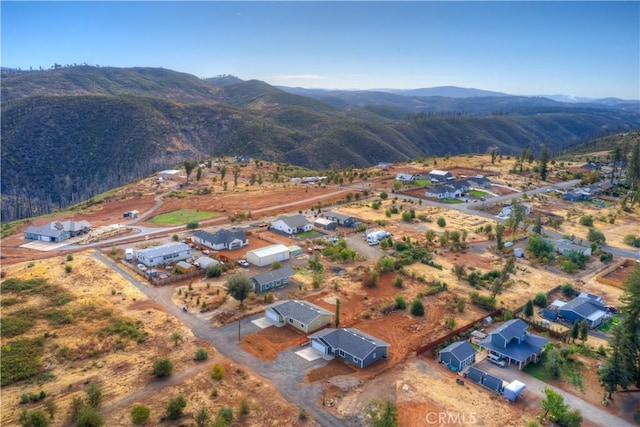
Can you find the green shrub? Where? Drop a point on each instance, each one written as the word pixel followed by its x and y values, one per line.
pixel 632 240
pixel 68 268
pixel 175 407
pixel 540 299
pixel 244 407
pixel 441 222
pixel 162 367
pixel 217 372
pixel 201 354
pixel 586 220
pixel 417 308
pixel 213 271
pixel 401 304
pixel 13 326
pixel 568 290
pixel 450 323
pixel 140 414
pixel 225 414
pixel 20 360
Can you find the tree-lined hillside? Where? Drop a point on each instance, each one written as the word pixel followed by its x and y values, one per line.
pixel 71 133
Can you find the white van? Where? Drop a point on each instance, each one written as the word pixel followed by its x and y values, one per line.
pixel 496 360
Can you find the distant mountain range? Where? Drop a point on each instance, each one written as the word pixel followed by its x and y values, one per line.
pixel 73 132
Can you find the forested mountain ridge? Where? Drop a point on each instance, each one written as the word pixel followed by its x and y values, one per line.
pixel 71 133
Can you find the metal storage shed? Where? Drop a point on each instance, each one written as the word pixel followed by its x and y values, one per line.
pixel 513 390
pixel 268 255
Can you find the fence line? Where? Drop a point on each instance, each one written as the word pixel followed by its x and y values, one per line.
pixel 437 342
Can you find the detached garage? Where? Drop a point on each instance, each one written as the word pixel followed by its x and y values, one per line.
pixel 268 255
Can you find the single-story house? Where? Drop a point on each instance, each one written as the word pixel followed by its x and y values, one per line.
pixel 584 308
pixel 205 261
pixel 351 345
pixel 463 186
pixel 458 355
pixel 301 315
pixel 479 181
pixel 325 224
pixel 405 178
pixel 221 239
pixel 437 175
pixel 384 165
pixel 565 245
pixel 164 254
pixel 268 255
pixel 57 231
pixel 576 195
pixel 292 224
pixel 590 166
pixel 169 174
pixel 312 179
pixel 272 279
pixel 514 343
pixel 443 192
pixel 485 379
pixel 341 219
pixel 185 267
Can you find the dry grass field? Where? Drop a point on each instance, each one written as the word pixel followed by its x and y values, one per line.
pixel 99 327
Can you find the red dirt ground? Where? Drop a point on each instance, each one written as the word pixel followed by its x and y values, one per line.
pixel 267 343
pixel 621 273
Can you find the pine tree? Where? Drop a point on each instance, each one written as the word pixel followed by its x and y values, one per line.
pixel 544 161
pixel 615 372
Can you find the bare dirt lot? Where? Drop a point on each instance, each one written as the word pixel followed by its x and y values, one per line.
pixel 74 355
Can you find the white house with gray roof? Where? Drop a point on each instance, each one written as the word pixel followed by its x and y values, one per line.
pixel 301 315
pixel 56 231
pixel 292 224
pixel 563 246
pixel 221 239
pixel 438 175
pixel 164 254
pixel 350 344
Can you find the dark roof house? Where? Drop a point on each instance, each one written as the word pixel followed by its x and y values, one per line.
pixel 341 219
pixel 351 345
pixel 480 181
pixel 272 279
pixel 514 343
pixel 458 355
pixel 586 308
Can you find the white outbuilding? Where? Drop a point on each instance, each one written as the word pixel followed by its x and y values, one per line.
pixel 268 255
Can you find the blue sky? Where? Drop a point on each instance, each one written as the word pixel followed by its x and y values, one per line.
pixel 587 49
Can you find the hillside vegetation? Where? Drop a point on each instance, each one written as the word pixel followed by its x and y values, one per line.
pixel 71 133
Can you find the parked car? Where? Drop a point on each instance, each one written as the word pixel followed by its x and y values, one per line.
pixel 142 267
pixel 243 263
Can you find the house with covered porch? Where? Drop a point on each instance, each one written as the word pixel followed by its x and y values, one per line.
pixel 514 343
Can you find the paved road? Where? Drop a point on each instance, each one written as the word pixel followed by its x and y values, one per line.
pixel 286 373
pixel 589 412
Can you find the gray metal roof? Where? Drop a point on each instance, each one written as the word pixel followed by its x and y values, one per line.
pixel 273 275
pixel 45 230
pixel 517 351
pixel 169 248
pixel 461 350
pixel 583 306
pixel 491 382
pixel 295 221
pixel 337 215
pixel 302 311
pixel 350 340
pixel 221 236
pixel 510 329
